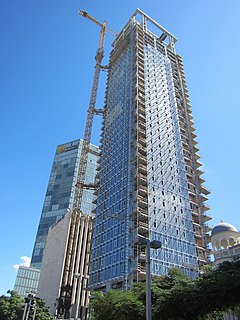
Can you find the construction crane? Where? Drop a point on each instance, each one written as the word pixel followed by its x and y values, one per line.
pixel 65 297
pixel 77 201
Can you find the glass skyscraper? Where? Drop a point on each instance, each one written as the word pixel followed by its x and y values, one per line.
pixel 150 177
pixel 60 191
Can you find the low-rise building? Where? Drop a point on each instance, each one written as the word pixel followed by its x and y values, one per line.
pixel 26 281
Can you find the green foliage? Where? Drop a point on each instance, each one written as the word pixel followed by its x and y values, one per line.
pixel 236 310
pixel 215 315
pixel 117 305
pixel 12 307
pixel 177 297
pixel 42 312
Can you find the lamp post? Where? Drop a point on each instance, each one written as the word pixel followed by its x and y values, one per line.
pixel 30 304
pixel 154 244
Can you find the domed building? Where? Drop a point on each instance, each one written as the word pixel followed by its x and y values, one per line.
pixel 225 240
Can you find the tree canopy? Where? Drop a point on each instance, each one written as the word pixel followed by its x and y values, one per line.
pixel 12 308
pixel 176 297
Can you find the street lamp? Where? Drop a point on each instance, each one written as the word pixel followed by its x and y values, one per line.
pixel 154 244
pixel 30 304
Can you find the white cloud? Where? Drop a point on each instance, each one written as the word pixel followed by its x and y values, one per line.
pixel 25 262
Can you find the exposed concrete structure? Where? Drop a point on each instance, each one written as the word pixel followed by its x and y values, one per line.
pixel 52 263
pixel 76 230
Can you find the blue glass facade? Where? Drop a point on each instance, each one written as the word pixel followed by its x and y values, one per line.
pixel 113 203
pixel 60 191
pixel 150 182
pixel 170 217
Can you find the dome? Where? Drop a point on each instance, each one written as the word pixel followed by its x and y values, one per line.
pixel 223 227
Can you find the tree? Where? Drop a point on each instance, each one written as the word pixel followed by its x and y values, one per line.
pixel 42 311
pixel 208 297
pixel 11 308
pixel 117 305
pixel 177 297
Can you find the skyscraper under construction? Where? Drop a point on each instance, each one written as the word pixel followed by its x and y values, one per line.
pixel 150 176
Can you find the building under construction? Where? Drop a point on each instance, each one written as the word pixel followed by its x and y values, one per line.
pixel 149 183
pixel 150 176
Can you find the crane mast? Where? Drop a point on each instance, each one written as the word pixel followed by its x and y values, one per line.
pixel 77 201
pixel 67 284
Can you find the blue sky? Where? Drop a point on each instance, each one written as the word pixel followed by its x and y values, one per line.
pixel 46 69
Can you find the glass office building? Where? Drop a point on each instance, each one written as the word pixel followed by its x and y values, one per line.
pixel 26 281
pixel 60 191
pixel 150 177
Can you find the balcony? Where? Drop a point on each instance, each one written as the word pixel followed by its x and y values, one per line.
pixel 143 191
pixel 141 110
pixel 141 268
pixel 142 180
pixel 142 125
pixel 142 142
pixel 204 198
pixel 199 245
pixel 206 208
pixel 197 235
pixel 198 163
pixel 142 227
pixel 207 228
pixel 142 150
pixel 142 160
pixel 185 145
pixel 197 157
pixel 142 215
pixel 142 170
pixel 142 134
pixel 141 117
pixel 190 179
pixel 142 203
pixel 201 180
pixel 192 193
pixel 193 201
pixel 194 135
pixel 195 215
pixel 206 217
pixel 204 190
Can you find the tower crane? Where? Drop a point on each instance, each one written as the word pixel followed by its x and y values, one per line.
pixel 77 201
pixel 65 296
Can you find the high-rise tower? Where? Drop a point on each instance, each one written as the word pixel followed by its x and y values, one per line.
pixel 150 177
pixel 60 191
